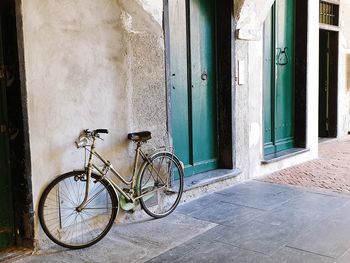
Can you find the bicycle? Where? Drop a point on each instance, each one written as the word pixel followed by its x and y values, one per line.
pixel 78 208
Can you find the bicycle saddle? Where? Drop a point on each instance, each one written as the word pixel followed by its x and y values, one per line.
pixel 140 136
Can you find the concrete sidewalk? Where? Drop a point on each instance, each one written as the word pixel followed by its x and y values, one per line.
pixel 249 222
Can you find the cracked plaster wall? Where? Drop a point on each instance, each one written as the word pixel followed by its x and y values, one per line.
pixel 91 64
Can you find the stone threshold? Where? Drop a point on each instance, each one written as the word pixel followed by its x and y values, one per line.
pixel 14 253
pixel 271 158
pixel 207 178
pixel 322 140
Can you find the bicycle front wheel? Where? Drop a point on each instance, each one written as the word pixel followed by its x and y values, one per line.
pixel 161 185
pixel 74 228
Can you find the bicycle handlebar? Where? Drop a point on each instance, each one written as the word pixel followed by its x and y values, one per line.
pixel 96 132
pixel 101 131
pixel 86 135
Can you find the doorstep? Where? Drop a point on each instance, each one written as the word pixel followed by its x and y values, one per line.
pixel 208 178
pixel 275 157
pixel 14 253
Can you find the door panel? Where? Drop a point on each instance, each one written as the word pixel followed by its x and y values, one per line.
pixel 279 78
pixel 6 216
pixel 285 74
pixel 179 81
pixel 203 79
pixel 193 81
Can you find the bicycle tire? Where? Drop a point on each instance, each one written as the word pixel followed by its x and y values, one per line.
pixel 65 193
pixel 169 181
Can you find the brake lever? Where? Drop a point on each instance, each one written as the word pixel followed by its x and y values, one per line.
pixel 99 137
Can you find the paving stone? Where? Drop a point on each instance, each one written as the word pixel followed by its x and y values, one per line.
pixel 254 186
pixel 304 210
pixel 261 237
pixel 330 237
pixel 319 202
pixel 216 252
pixel 259 195
pixel 173 255
pixel 227 214
pixel 205 202
pixel 290 255
pixel 345 258
pixel 210 235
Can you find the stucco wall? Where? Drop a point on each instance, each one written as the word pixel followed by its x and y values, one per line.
pixel 250 15
pixel 91 64
pixel 344 70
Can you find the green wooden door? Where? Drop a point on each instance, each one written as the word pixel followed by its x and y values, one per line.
pixel 193 81
pixel 6 217
pixel 279 78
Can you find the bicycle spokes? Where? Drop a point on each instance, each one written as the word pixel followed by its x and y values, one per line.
pixel 69 225
pixel 160 186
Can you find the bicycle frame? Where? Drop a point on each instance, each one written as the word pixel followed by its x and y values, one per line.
pixel 109 167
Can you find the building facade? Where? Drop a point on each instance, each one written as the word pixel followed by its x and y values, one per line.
pixel 233 84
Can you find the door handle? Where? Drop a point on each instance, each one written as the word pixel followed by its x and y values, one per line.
pixel 204 76
pixel 173 75
pixel 282 57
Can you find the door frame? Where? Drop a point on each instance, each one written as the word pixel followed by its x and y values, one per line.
pixel 225 78
pixel 332 102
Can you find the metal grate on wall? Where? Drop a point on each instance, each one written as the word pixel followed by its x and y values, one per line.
pixel 329 13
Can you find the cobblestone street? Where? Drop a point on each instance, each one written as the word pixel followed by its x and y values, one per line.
pixel 330 171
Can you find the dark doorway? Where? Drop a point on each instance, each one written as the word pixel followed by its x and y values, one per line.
pixel 328 84
pixel 16 217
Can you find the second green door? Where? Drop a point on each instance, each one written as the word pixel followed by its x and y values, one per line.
pixel 279 78
pixel 193 83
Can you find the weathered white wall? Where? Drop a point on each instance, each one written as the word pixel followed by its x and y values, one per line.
pixel 250 15
pixel 91 64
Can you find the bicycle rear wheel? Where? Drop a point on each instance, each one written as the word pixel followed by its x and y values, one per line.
pixel 161 185
pixel 60 218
